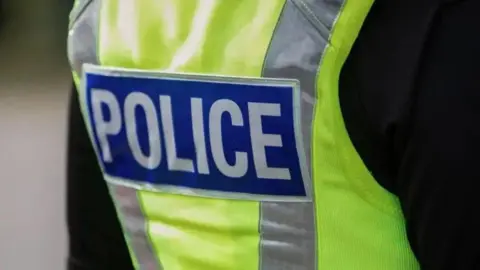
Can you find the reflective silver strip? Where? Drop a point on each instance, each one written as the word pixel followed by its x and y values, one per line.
pixel 131 213
pixel 287 229
pixel 82 48
pixel 82 34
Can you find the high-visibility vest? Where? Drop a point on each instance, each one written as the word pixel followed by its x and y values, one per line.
pixel 274 58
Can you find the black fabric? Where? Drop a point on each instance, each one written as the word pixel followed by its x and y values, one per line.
pixel 410 94
pixel 96 239
pixel 410 97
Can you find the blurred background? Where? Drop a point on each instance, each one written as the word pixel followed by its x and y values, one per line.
pixel 34 88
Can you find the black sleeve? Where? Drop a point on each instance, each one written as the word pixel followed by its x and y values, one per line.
pixel 410 97
pixel 439 148
pixel 95 237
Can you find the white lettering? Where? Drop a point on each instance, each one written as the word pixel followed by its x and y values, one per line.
pixel 105 128
pixel 239 168
pixel 199 136
pixel 104 104
pixel 174 162
pixel 141 100
pixel 261 140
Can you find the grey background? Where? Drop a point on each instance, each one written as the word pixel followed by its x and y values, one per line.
pixel 34 87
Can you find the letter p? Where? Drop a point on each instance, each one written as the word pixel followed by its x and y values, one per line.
pixel 104 128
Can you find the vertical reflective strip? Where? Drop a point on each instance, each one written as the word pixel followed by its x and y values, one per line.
pixel 82 48
pixel 288 230
pixel 129 206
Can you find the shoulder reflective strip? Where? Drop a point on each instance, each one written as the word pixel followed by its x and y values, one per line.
pixel 78 8
pixel 82 49
pixel 82 35
pixel 288 230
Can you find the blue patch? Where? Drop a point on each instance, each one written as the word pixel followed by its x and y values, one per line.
pixel 203 133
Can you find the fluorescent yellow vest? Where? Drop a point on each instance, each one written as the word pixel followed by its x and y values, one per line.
pixel 350 223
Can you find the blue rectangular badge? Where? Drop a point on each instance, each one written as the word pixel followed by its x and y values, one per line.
pixel 201 135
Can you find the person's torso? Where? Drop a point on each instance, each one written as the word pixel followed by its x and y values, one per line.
pixel 218 128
